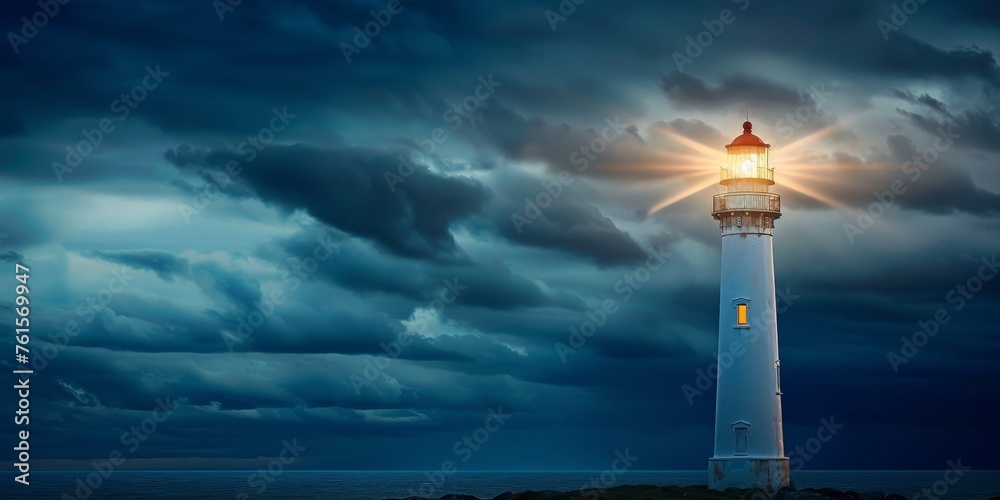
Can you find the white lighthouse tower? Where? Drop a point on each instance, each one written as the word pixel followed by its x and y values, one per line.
pixel 749 448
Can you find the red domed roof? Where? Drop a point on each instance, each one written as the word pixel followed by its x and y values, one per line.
pixel 748 139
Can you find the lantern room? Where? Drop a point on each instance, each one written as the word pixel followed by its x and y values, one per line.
pixel 746 158
pixel 747 205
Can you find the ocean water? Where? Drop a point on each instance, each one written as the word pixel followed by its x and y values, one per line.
pixel 375 485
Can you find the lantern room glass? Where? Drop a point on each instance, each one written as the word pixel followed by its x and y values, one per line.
pixel 748 162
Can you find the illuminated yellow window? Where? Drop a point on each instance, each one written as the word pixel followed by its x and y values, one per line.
pixel 741 314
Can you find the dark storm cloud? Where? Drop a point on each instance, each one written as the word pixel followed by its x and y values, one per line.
pixel 211 167
pixel 12 257
pixel 85 60
pixel 148 325
pixel 165 264
pixel 588 92
pixel 225 284
pixel 687 92
pixel 141 324
pixel 607 149
pixel 315 382
pixel 361 269
pixel 939 188
pixel 269 76
pixel 411 215
pixel 567 224
pixel 611 149
pixel 347 188
pixel 572 226
pixel 236 297
pixel 922 99
pixel 904 55
pixel 845 37
pixel 975 128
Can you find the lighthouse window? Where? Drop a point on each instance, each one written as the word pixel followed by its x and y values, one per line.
pixel 741 314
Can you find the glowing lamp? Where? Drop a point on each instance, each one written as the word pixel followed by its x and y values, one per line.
pixel 746 158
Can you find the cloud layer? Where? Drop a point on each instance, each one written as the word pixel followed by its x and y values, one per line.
pixel 370 254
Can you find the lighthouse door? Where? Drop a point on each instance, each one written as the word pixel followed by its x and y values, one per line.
pixel 741 434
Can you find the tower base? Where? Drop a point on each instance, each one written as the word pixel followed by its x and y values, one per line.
pixel 770 474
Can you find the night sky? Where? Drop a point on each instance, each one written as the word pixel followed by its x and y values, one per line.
pixel 239 210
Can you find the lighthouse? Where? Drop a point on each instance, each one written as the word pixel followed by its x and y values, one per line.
pixel 749 448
